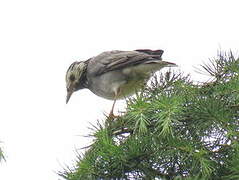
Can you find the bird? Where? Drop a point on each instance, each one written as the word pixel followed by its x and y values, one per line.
pixel 114 74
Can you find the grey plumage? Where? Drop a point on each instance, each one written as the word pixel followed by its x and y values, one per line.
pixel 114 74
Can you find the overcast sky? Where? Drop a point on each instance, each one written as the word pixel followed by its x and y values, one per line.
pixel 40 39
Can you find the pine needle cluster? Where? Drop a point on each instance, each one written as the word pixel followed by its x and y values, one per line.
pixel 173 129
pixel 1 155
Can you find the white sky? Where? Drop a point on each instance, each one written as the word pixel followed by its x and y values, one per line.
pixel 40 39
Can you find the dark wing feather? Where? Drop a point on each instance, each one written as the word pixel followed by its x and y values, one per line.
pixel 158 52
pixel 115 60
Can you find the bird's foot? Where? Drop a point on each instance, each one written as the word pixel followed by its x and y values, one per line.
pixel 111 116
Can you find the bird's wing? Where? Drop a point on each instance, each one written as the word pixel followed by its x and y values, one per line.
pixel 115 60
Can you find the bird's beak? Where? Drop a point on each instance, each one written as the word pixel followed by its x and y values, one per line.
pixel 68 96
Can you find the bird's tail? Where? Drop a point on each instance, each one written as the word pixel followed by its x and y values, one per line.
pixel 169 64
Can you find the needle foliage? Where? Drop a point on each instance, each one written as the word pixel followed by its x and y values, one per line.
pixel 174 129
pixel 1 155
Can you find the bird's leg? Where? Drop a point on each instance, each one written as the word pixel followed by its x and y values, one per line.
pixel 111 115
pixel 112 109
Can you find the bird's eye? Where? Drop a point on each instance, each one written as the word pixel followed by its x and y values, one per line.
pixel 72 77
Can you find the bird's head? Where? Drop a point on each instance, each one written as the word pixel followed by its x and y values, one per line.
pixel 75 78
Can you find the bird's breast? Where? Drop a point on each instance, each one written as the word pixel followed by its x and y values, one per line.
pixel 117 84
